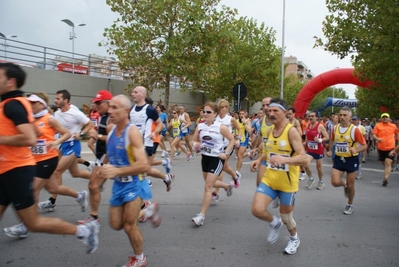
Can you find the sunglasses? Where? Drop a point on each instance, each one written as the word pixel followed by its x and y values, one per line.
pixel 174 113
pixel 208 111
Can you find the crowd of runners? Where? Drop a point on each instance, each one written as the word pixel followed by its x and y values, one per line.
pixel 38 144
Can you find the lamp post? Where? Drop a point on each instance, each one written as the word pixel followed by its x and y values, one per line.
pixel 72 37
pixel 282 56
pixel 5 43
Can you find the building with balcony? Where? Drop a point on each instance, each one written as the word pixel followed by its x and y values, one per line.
pixel 298 68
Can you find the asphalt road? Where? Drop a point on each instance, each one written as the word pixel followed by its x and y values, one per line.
pixel 231 235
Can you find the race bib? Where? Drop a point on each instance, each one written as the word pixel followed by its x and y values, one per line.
pixel 313 145
pixel 341 148
pixel 207 147
pixel 94 122
pixel 185 130
pixel 40 147
pixel 283 167
pixel 124 179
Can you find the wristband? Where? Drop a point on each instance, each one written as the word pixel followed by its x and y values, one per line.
pixel 320 140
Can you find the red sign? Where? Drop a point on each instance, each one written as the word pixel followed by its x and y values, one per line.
pixel 67 67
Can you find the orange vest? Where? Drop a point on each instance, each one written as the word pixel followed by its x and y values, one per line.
pixel 157 136
pixel 12 157
pixel 40 151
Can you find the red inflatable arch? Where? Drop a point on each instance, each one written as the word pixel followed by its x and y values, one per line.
pixel 322 81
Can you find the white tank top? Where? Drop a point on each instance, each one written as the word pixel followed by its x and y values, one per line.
pixel 226 121
pixel 211 139
pixel 143 123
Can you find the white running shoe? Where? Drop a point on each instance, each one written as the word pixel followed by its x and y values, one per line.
pixel 166 163
pixel 46 206
pixel 163 154
pixel 82 200
pixel 134 262
pixel 229 190
pixel 292 246
pixel 302 176
pixel 274 232
pixel 310 183
pixel 91 166
pixel 198 219
pixel 155 218
pixel 18 230
pixel 91 241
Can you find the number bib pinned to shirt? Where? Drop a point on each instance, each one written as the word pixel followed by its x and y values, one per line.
pixel 124 178
pixel 283 167
pixel 313 145
pixel 40 148
pixel 341 148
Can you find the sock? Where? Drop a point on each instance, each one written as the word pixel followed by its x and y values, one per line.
pixel 294 237
pixel 167 178
pixel 95 217
pixel 86 163
pixel 140 257
pixel 52 200
pixel 82 231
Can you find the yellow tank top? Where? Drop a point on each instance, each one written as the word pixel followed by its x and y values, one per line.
pixel 244 134
pixel 343 141
pixel 175 127
pixel 286 177
pixel 264 129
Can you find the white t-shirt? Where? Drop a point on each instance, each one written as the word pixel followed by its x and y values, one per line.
pixel 73 120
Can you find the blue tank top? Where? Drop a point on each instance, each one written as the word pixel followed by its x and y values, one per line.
pixel 120 154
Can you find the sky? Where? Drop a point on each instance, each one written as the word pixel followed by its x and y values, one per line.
pixel 39 22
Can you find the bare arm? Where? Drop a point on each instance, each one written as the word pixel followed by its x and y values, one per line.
pixel 26 137
pixel 226 134
pixel 65 134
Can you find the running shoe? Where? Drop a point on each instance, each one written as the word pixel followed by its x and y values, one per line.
pixel 91 166
pixel 46 206
pixel 91 241
pixel 348 209
pixel 302 176
pixel 169 182
pixel 274 232
pixel 134 262
pixel 292 246
pixel 237 179
pixel 149 181
pixel 190 156
pixel 229 190
pixel 359 176
pixel 155 218
pixel 309 184
pixel 215 197
pixel 198 219
pixel 19 231
pixel 176 154
pixel 320 185
pixel 384 182
pixel 102 187
pixel 276 203
pixel 167 165
pixel 163 154
pixel 82 200
pixel 146 204
pixel 88 219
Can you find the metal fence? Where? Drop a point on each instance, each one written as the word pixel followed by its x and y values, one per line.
pixel 41 57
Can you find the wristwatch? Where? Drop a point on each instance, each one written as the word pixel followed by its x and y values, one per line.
pixel 100 136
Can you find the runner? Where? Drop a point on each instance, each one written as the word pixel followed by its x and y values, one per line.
pixel 18 166
pixel 127 163
pixel 208 138
pixel 284 152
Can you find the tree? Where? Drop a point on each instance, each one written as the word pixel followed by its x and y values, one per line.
pixel 368 31
pixel 242 52
pixel 161 39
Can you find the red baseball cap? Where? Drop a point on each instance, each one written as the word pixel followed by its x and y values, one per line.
pixel 102 95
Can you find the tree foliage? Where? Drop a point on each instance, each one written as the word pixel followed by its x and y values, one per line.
pixel 368 31
pixel 193 40
pixel 244 52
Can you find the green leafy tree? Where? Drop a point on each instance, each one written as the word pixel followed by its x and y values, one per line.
pixel 159 40
pixel 367 31
pixel 243 52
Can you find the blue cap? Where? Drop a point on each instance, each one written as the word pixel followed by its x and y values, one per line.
pixel 355 118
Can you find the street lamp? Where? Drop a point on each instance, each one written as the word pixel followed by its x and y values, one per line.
pixel 282 56
pixel 72 37
pixel 5 43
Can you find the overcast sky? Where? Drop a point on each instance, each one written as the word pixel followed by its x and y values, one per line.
pixel 39 22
